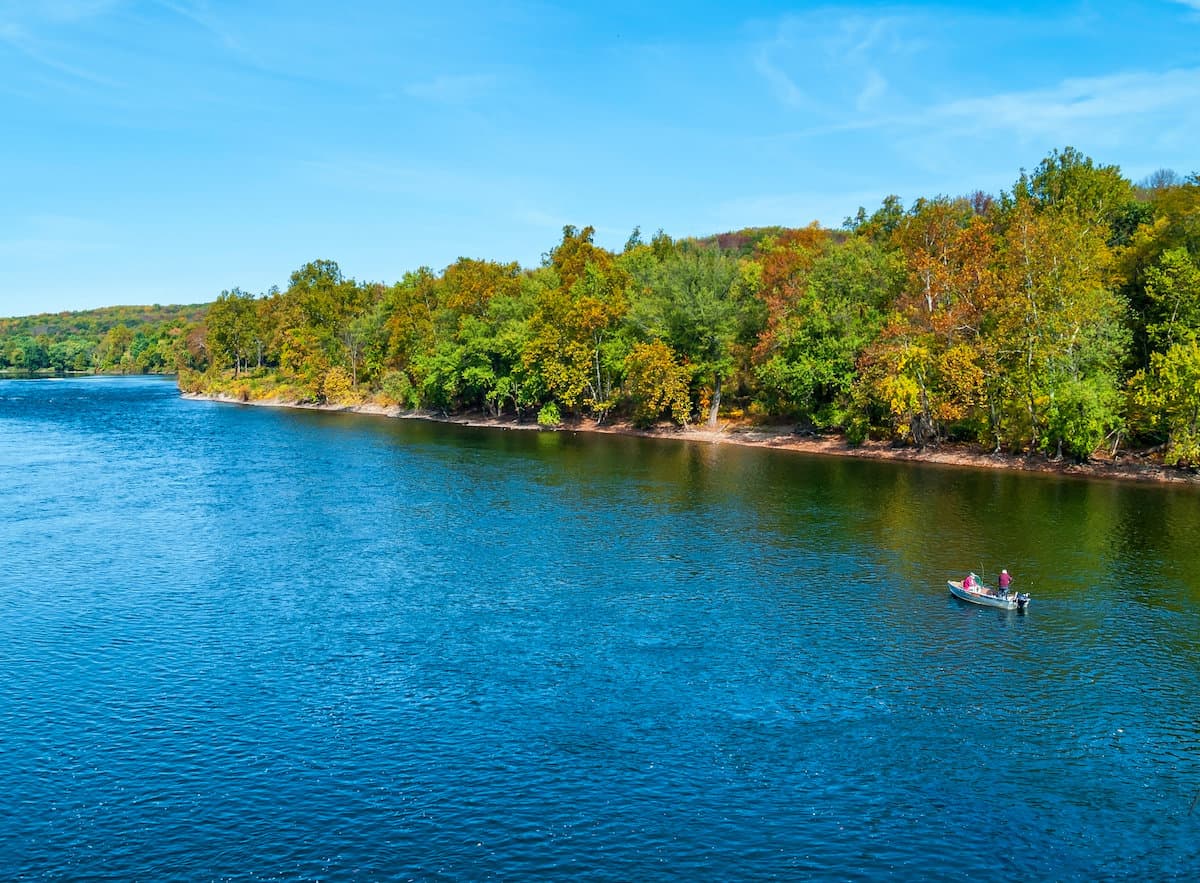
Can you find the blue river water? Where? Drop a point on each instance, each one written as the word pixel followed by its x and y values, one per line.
pixel 256 644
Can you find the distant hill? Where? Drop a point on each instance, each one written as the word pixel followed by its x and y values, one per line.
pixel 99 320
pixel 124 338
pixel 746 241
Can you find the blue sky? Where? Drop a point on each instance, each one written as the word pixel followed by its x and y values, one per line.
pixel 160 151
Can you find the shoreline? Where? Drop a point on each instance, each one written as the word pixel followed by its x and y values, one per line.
pixel 1127 468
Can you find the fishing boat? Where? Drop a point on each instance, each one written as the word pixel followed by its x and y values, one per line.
pixel 978 593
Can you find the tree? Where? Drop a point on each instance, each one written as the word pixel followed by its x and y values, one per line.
pixel 337 387
pixel 785 262
pixel 320 307
pixel 574 322
pixel 409 308
pixel 233 333
pixel 1168 396
pixel 704 305
pixel 1060 327
pixel 112 347
pixel 1097 195
pixel 811 370
pixel 656 384
pixel 1173 296
pixel 922 368
pixel 881 224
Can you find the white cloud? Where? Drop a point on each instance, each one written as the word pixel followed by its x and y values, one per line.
pixel 1076 108
pixel 894 82
pixel 781 84
pixel 44 53
pixel 55 11
pixel 199 16
pixel 873 89
pixel 841 57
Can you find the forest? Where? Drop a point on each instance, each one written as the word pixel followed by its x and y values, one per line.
pixel 1060 316
pixel 126 340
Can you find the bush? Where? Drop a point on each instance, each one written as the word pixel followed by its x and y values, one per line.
pixel 337 388
pixel 398 389
pixel 1080 415
pixel 549 415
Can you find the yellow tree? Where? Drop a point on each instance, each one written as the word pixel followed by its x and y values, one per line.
pixel 575 320
pixel 656 383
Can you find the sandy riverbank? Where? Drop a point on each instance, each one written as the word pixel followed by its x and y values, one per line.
pixel 1127 467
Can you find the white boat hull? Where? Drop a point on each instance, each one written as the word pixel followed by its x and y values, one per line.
pixel 987 597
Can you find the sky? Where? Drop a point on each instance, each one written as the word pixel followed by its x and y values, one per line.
pixel 162 151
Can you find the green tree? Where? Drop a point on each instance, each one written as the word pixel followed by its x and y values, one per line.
pixel 812 368
pixel 112 347
pixel 1173 295
pixel 1100 197
pixel 233 332
pixel 1174 223
pixel 1061 327
pixel 1167 394
pixel 705 308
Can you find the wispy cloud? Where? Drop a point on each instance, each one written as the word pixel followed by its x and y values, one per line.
pixel 379 175
pixel 402 177
pixel 31 29
pixel 896 77
pixel 781 84
pixel 452 89
pixel 872 91
pixel 200 16
pixel 1092 111
pixel 818 63
pixel 1073 105
pixel 47 54
pixel 59 11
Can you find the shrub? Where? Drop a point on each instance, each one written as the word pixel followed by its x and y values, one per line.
pixel 337 388
pixel 549 415
pixel 398 389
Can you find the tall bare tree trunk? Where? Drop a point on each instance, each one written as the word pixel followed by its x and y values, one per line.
pixel 715 406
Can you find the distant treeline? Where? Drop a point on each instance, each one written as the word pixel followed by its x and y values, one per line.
pixel 1060 316
pixel 110 339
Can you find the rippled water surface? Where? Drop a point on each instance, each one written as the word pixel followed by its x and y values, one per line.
pixel 249 643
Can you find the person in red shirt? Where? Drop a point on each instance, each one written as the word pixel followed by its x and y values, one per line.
pixel 1005 581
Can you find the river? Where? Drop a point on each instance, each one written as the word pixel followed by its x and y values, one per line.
pixel 254 643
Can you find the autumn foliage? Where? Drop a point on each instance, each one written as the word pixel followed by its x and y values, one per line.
pixel 1061 316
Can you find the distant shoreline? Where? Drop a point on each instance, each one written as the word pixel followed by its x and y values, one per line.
pixel 1127 468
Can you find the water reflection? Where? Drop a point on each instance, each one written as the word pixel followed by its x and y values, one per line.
pixel 338 643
